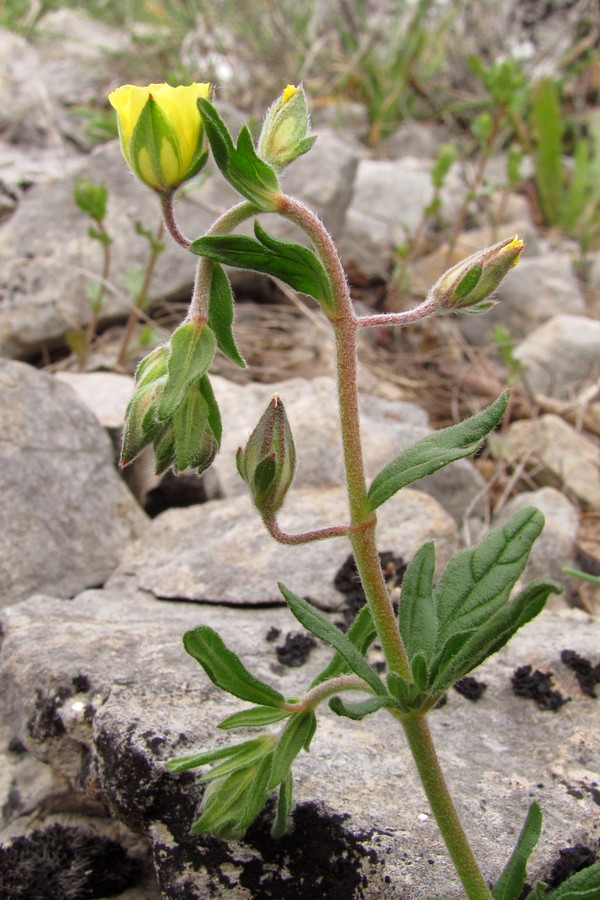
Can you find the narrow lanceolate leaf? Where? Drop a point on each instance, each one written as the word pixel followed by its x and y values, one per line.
pixel 356 711
pixel 361 634
pixel 294 736
pixel 192 350
pixel 456 661
pixel 478 581
pixel 254 717
pixel 296 265
pixel 220 315
pixel 193 761
pixel 257 794
pixel 190 423
pixel 251 755
pixel 319 625
pixel 510 883
pixel 226 670
pixel 417 613
pixel 584 885
pixel 284 806
pixel 434 452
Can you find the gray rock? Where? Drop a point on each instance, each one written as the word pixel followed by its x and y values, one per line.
pixel 538 289
pixel 47 259
pixel 110 694
pixel 389 200
pixel 554 454
pixel 561 354
pixel 555 547
pixel 66 515
pixel 105 393
pixel 419 139
pixel 21 96
pixel 220 551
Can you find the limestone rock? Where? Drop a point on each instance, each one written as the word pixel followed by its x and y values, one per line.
pixel 65 515
pixel 110 694
pixel 559 355
pixel 220 551
pixel 390 197
pixel 554 454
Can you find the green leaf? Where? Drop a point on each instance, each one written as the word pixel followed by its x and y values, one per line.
pixel 478 581
pixel 356 711
pixel 420 671
pixel 584 885
pixel 241 166
pixel 253 752
pixel 435 451
pixel 220 315
pixel 417 613
pixel 190 423
pixel 252 718
pixel 214 415
pixel 224 805
pixel 319 625
pixel 183 763
pixel 361 634
pixel 284 806
pixel 294 736
pixel 510 883
pixel 192 350
pixel 453 663
pixel 257 795
pixel 296 265
pixel 226 670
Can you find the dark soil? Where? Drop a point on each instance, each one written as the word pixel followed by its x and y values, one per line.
pixel 317 858
pixel 570 861
pixel 537 686
pixel 470 688
pixel 61 863
pixel 347 581
pixel 587 675
pixel 295 649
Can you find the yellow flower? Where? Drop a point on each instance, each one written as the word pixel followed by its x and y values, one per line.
pixel 161 132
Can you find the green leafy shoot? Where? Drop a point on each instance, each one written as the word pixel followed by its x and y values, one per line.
pixel 226 670
pixel 435 451
pixel 297 734
pixel 192 350
pixel 510 884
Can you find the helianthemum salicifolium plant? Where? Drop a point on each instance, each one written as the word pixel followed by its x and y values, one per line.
pixel 444 629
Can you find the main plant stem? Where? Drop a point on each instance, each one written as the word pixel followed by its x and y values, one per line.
pixel 346 324
pixel 424 754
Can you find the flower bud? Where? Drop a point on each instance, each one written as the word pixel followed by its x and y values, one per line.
pixel 286 131
pixel 268 462
pixel 161 132
pixel 467 285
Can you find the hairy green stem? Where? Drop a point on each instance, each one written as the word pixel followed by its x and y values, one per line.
pixel 329 689
pixel 346 324
pixel 426 759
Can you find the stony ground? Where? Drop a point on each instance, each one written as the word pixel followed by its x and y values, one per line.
pixel 99 578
